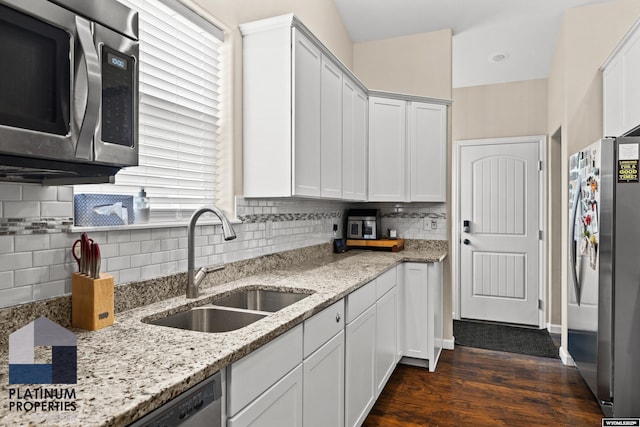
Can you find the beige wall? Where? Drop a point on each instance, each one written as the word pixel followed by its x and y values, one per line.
pixel 500 110
pixel 588 36
pixel 320 16
pixel 419 64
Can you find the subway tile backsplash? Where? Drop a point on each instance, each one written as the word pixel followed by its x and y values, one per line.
pixel 35 239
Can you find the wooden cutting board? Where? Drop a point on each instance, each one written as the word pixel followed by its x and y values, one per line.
pixel 393 245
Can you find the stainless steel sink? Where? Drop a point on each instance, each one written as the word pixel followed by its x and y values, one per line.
pixel 209 319
pixel 232 312
pixel 261 300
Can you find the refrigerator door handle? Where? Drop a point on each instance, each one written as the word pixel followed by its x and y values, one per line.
pixel 572 241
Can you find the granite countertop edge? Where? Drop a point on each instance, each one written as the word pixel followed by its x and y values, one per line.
pixel 137 367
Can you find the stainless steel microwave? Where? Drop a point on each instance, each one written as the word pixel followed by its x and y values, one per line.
pixel 68 90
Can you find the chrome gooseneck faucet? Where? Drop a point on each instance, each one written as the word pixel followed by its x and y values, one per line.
pixel 194 278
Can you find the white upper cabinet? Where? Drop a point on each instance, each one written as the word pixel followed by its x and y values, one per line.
pixel 354 141
pixel 621 86
pixel 306 111
pixel 310 129
pixel 331 130
pixel 293 113
pixel 427 129
pixel 407 150
pixel 387 145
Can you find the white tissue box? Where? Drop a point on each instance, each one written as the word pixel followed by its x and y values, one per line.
pixel 117 210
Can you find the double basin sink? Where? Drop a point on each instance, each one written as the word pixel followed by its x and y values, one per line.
pixel 232 312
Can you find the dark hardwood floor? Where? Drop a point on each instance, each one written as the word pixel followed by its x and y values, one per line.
pixel 474 387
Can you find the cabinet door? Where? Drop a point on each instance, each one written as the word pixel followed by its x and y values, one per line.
pixel 354 141
pixel 416 319
pixel 386 337
pixel 612 94
pixel 306 121
pixel 436 331
pixel 631 83
pixel 331 130
pixel 360 367
pixel 387 150
pixel 281 405
pixel 323 391
pixel 427 127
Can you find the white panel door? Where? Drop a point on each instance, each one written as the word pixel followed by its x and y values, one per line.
pixel 323 385
pixel 427 152
pixel 499 258
pixel 331 130
pixel 387 150
pixel 306 117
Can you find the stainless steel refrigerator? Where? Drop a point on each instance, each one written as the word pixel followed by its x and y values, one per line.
pixel 604 272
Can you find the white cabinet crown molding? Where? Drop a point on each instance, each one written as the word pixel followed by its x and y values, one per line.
pixel 620 46
pixel 408 97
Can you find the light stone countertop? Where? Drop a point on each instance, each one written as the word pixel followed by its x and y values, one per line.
pixel 130 368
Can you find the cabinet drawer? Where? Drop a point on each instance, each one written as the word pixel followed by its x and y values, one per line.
pixel 385 282
pixel 322 326
pixel 358 301
pixel 252 375
pixel 280 406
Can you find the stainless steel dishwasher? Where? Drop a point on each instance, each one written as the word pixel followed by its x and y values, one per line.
pixel 201 405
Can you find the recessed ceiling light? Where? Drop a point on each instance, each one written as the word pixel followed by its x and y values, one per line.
pixel 498 57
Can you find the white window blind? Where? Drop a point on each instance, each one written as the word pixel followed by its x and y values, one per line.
pixel 179 91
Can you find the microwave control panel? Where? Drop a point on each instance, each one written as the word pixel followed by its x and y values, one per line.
pixel 117 97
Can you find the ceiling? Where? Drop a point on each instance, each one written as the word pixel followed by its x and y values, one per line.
pixel 521 32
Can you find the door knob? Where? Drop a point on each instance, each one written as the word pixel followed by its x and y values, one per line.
pixel 466 241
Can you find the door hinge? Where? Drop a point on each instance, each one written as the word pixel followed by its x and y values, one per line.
pixel 539 165
pixel 540 235
pixel 540 304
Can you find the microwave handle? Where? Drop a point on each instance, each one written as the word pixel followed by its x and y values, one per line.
pixel 94 83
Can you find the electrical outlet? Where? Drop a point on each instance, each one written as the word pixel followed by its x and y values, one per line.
pixel 434 224
pixel 335 227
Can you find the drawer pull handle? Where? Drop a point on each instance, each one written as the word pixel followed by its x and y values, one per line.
pixel 338 318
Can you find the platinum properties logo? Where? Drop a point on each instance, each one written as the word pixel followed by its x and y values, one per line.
pixel 23 368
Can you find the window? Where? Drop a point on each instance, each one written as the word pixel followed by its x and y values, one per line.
pixel 179 111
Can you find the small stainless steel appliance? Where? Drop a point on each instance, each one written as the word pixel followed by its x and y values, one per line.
pixel 363 224
pixel 68 90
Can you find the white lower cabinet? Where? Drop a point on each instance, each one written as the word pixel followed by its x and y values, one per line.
pixel 323 390
pixel 386 337
pixel 323 368
pixel 330 370
pixel 264 388
pixel 422 308
pixel 280 405
pixel 359 377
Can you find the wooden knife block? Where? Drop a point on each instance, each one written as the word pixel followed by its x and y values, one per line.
pixel 92 304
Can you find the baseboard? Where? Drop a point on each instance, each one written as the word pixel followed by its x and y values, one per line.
pixel 554 329
pixel 566 357
pixel 448 344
